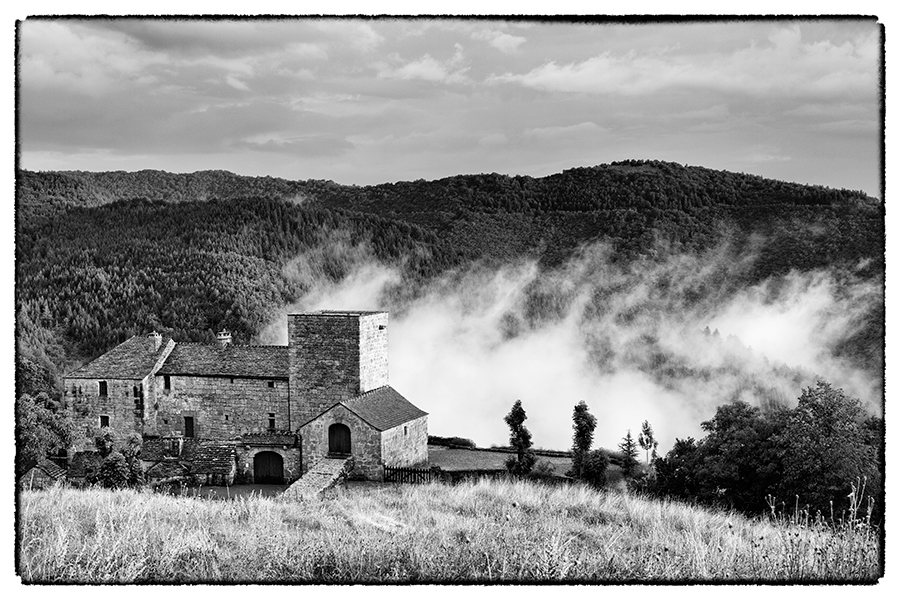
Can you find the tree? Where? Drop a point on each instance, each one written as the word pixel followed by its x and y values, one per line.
pixel 105 441
pixel 121 465
pixel 520 440
pixel 826 450
pixel 629 456
pixel 131 451
pixel 739 460
pixel 40 430
pixel 583 423
pixel 595 465
pixel 647 441
pixel 676 472
pixel 114 471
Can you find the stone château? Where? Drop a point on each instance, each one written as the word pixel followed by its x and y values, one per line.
pixel 220 413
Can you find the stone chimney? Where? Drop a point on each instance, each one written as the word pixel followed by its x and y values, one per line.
pixel 223 338
pixel 155 339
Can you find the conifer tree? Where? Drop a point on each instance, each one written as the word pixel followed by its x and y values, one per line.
pixel 520 441
pixel 584 423
pixel 629 456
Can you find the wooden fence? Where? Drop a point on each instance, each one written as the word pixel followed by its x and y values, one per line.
pixel 411 475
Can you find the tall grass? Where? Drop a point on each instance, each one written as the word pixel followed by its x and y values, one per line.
pixel 483 531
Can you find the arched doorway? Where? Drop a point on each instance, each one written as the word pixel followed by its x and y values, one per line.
pixel 338 439
pixel 268 467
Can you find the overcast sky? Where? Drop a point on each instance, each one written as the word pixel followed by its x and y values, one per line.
pixel 370 101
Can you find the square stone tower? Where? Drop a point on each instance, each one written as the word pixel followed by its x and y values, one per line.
pixel 334 356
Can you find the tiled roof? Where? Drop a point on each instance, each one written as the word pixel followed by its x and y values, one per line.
pixel 213 457
pixel 132 359
pixel 269 439
pixel 84 463
pixel 384 408
pixel 154 449
pixel 51 469
pixel 267 362
pixel 166 469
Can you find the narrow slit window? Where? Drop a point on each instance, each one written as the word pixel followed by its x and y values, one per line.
pixel 167 382
pixel 271 421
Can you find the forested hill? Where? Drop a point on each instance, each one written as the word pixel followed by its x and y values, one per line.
pixel 101 256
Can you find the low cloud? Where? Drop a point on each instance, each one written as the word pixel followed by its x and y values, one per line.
pixel 629 341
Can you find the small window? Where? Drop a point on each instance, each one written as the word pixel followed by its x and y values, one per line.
pixel 405 430
pixel 165 421
pixel 167 382
pixel 104 421
pixel 189 427
pixel 226 417
pixel 271 421
pixel 231 380
pixel 137 394
pixel 103 390
pixel 271 384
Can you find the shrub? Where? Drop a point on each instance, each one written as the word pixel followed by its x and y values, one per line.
pixel 114 471
pixel 595 464
pixel 436 440
pixel 543 469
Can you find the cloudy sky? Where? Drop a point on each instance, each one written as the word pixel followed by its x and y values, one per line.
pixel 370 101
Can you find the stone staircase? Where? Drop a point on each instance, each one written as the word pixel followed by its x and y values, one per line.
pixel 323 475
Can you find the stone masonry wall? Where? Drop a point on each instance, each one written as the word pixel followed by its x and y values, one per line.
pixel 290 456
pixel 222 407
pixel 118 404
pixel 365 442
pixel 406 445
pixel 334 357
pixel 373 351
pixel 324 362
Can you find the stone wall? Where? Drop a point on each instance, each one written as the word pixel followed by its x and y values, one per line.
pixel 406 445
pixel 125 416
pixel 290 455
pixel 222 407
pixel 365 442
pixel 373 351
pixel 334 357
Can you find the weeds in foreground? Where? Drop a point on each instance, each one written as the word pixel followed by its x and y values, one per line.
pixel 488 531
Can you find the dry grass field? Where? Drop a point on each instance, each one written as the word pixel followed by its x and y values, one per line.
pixel 484 531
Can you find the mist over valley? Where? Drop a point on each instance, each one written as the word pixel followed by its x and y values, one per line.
pixel 652 291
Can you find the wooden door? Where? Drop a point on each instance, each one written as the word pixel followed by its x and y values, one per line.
pixel 338 439
pixel 189 427
pixel 268 467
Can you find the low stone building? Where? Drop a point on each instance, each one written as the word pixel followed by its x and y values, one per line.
pixel 41 475
pixel 223 413
pixel 377 428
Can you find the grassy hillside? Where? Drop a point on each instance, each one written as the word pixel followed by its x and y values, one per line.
pixel 484 531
